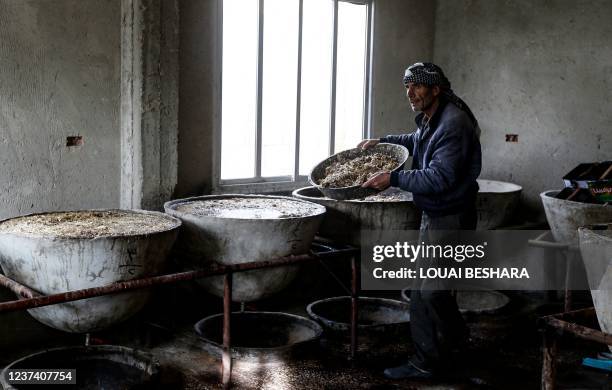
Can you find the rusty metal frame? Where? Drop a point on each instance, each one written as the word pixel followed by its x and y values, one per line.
pixel 17 288
pixel 31 299
pixel 553 327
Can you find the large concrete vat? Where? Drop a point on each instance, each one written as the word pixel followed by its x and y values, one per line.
pixel 566 216
pixel 345 219
pixel 496 203
pixel 239 235
pixel 596 250
pixel 51 264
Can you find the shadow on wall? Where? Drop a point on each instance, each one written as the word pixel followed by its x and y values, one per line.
pixel 19 331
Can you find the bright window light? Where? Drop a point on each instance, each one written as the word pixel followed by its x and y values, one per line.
pixel 239 97
pixel 279 91
pixel 350 82
pixel 261 122
pixel 317 41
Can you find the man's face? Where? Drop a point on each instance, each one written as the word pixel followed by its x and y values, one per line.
pixel 421 96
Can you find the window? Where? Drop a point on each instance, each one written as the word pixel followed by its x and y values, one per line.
pixel 295 77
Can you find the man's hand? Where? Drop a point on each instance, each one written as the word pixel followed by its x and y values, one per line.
pixel 379 181
pixel 368 143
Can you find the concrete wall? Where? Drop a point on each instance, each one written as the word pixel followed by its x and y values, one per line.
pixel 539 69
pixel 59 76
pixel 403 34
pixel 197 104
pixel 149 102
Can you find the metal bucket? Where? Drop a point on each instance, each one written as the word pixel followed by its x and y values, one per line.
pixel 229 240
pixel 53 265
pixel 383 326
pixel 97 367
pixel 496 203
pixel 345 220
pixel 476 301
pixel 375 315
pixel 398 152
pixel 596 250
pixel 260 337
pixel 566 216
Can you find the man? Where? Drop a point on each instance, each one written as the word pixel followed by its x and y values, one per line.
pixel 446 162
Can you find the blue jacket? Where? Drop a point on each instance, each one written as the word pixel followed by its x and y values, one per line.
pixel 446 161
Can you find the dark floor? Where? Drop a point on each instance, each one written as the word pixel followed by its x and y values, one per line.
pixel 504 352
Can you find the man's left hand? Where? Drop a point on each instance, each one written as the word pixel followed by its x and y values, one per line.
pixel 379 181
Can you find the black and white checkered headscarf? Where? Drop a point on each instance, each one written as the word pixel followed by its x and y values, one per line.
pixel 431 74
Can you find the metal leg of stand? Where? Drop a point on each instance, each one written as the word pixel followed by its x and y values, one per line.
pixel 549 350
pixel 567 304
pixel 226 360
pixel 354 305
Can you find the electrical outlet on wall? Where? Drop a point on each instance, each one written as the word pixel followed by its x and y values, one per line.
pixel 511 137
pixel 74 140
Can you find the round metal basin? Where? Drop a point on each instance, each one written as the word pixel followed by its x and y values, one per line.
pixel 477 301
pixel 566 216
pixel 596 250
pixel 345 220
pixel 234 238
pixel 260 337
pixel 97 367
pixel 399 154
pixel 56 264
pixel 496 203
pixel 378 315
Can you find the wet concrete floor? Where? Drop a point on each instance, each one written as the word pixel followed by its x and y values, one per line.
pixel 503 353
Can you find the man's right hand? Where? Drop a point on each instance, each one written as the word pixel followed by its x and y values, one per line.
pixel 368 143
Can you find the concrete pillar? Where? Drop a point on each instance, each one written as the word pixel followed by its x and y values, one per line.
pixel 149 102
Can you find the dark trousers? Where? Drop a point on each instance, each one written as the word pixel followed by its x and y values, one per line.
pixel 435 321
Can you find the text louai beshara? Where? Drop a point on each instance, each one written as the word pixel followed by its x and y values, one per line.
pixel 432 261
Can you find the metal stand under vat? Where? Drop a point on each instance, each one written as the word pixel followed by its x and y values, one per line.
pixel 553 327
pixel 226 359
pixel 569 253
pixel 31 299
